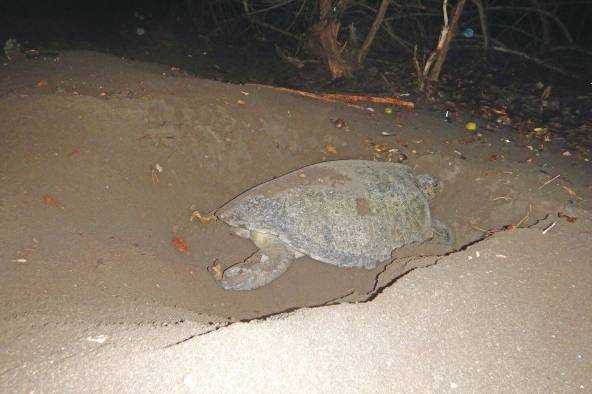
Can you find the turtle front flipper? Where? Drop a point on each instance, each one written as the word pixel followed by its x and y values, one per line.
pixel 442 233
pixel 260 269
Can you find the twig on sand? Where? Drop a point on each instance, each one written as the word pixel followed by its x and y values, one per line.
pixel 549 181
pixel 505 198
pixel 480 229
pixel 549 227
pixel 525 218
pixel 332 301
pixel 348 98
pixel 508 227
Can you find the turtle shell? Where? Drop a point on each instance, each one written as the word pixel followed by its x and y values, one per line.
pixel 350 213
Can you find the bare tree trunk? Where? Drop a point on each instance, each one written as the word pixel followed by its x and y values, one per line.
pixel 363 52
pixel 448 33
pixel 430 75
pixel 545 26
pixel 324 38
pixel 483 23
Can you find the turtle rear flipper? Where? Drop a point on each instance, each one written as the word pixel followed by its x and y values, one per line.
pixel 259 269
pixel 442 233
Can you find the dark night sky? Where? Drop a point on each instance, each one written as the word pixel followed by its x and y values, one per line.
pixel 96 14
pixel 65 23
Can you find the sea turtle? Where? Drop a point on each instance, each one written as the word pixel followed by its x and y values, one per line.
pixel 349 213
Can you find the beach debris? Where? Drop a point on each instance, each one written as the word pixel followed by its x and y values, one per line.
pixel 460 155
pixel 549 227
pixel 447 117
pixel 339 123
pixel 52 202
pixel 180 245
pixel 155 170
pixel 549 181
pixel 569 219
pixel 569 191
pixel 216 270
pixel 386 152
pixel 468 32
pixel 98 339
pixel 158 140
pixel 471 126
pixel 347 98
pixel 330 149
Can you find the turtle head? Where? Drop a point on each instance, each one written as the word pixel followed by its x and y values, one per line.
pixel 429 185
